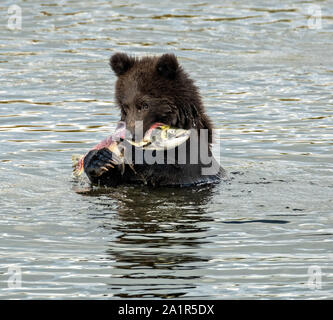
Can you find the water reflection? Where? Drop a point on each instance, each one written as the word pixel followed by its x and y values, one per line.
pixel 157 234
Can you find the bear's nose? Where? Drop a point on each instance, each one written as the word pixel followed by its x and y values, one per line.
pixel 135 128
pixel 131 124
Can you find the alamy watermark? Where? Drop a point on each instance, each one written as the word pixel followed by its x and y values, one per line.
pixel 14 18
pixel 308 20
pixel 314 278
pixel 195 148
pixel 314 19
pixel 316 275
pixel 14 277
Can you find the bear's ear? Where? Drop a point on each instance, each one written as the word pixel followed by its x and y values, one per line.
pixel 120 63
pixel 167 66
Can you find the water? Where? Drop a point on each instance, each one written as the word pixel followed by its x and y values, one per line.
pixel 265 73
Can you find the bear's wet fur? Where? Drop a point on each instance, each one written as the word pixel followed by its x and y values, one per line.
pixel 154 89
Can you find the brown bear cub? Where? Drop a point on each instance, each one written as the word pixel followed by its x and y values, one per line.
pixel 150 90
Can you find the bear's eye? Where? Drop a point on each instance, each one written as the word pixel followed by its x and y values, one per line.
pixel 144 106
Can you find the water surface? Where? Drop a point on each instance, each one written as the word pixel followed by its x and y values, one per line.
pixel 266 80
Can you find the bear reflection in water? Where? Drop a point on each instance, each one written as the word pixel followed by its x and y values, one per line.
pixel 156 236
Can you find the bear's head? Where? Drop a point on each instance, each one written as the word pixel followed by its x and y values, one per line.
pixel 156 89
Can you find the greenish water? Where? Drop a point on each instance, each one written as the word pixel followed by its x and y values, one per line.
pixel 265 72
